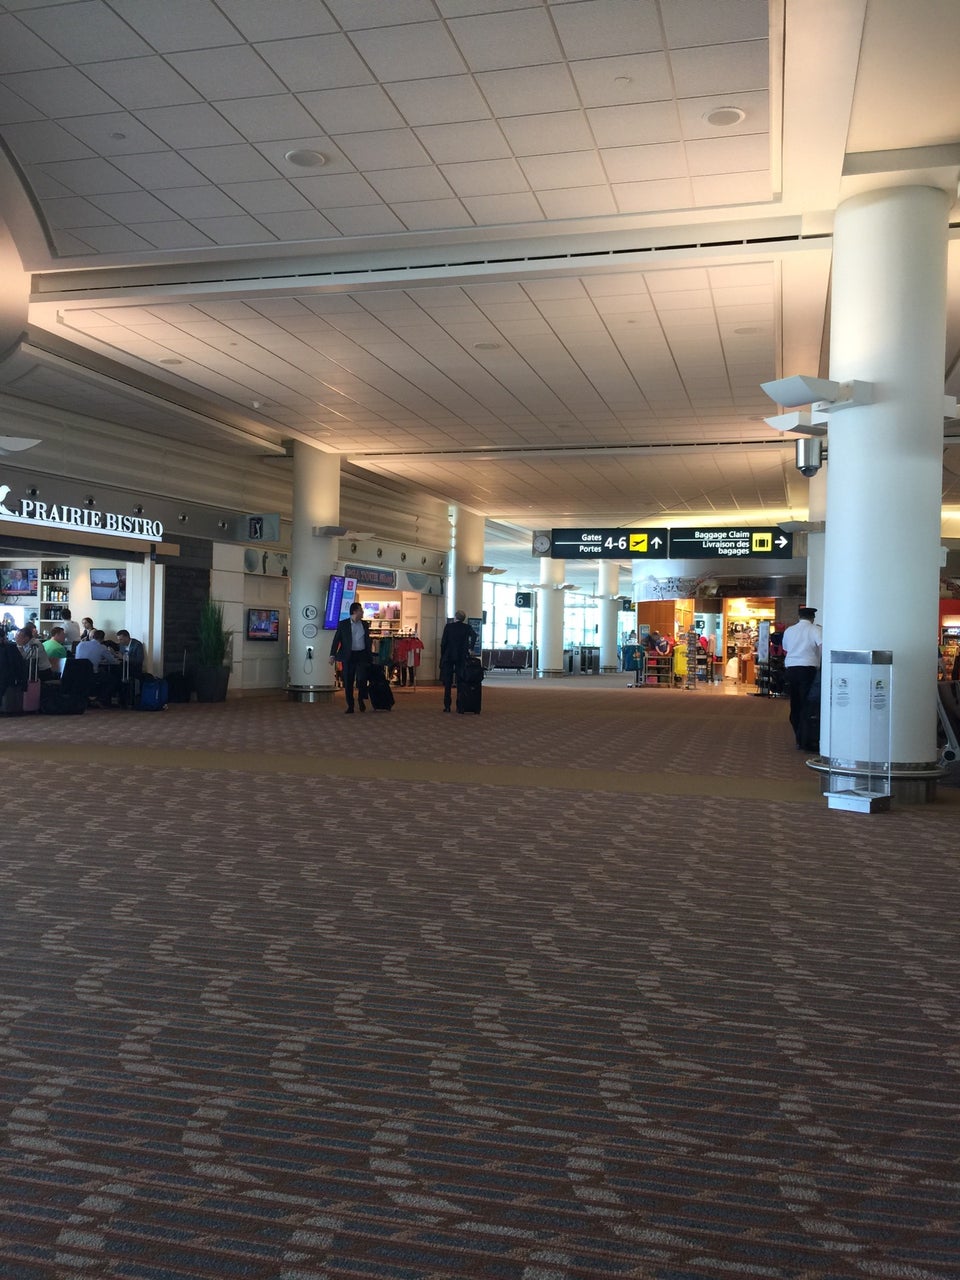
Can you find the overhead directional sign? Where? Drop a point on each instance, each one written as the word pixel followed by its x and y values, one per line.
pixel 704 544
pixel 608 544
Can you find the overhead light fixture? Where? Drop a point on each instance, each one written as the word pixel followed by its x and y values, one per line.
pixel 801 423
pixel 724 117
pixel 823 394
pixel 15 444
pixel 305 158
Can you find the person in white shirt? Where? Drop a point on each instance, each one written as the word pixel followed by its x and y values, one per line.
pixel 71 630
pixel 802 644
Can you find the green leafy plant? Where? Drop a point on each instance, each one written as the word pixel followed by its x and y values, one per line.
pixel 213 638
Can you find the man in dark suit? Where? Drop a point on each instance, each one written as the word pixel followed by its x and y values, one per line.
pixel 456 644
pixel 351 646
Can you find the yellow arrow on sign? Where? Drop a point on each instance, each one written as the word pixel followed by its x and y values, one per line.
pixel 638 542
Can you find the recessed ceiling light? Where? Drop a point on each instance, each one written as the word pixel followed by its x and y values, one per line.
pixel 486 346
pixel 749 328
pixel 170 360
pixel 118 135
pixel 304 158
pixel 724 117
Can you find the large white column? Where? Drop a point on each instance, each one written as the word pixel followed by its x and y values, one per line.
pixel 888 320
pixel 316 503
pixel 608 585
pixel 550 618
pixel 816 542
pixel 465 589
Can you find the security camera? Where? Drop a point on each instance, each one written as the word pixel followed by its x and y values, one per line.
pixel 809 457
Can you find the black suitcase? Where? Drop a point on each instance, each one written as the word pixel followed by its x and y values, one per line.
pixel 470 688
pixel 378 689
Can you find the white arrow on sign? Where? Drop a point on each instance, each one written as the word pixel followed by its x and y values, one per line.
pixel 781 542
pixel 656 542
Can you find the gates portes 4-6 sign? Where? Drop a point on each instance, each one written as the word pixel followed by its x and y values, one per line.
pixel 608 544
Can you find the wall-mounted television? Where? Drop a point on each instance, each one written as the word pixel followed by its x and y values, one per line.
pixel 15 583
pixel 108 584
pixel 340 596
pixel 263 624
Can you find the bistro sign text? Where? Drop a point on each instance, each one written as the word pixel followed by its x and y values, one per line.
pixel 89 519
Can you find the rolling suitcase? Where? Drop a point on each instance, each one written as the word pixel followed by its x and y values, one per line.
pixel 470 688
pixel 31 696
pixel 378 689
pixel 153 695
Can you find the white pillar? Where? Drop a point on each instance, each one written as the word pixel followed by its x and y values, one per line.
pixel 550 618
pixel 316 503
pixel 888 321
pixel 608 586
pixel 816 542
pixel 465 589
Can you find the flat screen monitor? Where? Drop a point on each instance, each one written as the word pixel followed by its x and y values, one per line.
pixel 263 624
pixel 17 583
pixel 108 584
pixel 340 596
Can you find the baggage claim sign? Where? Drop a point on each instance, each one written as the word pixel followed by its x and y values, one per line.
pixel 676 544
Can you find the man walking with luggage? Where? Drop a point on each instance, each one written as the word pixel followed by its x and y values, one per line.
pixel 351 646
pixel 456 644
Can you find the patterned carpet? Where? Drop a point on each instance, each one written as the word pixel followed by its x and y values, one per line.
pixel 593 985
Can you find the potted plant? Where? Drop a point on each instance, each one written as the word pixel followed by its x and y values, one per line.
pixel 214 643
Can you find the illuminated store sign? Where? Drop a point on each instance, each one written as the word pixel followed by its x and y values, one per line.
pixel 52 515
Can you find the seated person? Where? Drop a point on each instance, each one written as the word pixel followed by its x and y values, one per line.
pixel 28 642
pixel 132 654
pixel 106 666
pixel 56 649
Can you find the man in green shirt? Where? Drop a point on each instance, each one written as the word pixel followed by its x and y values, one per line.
pixel 55 649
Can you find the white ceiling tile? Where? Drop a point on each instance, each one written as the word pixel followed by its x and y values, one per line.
pixel 693 113
pixel 60 91
pixel 114 239
pixel 485 177
pixel 446 100
pixel 305 225
pixel 286 21
pixel 606 28
pixel 231 164
pixel 41 141
pixel 691 22
pixel 432 215
pixel 90 177
pixel 469 140
pixel 383 149
pixel 532 91
pixel 14 109
pixel 721 68
pixel 172 236
pixel 733 188
pixel 269 118
pixel 570 169
pixel 219 73
pixel 352 110
pixel 178 24
pixel 206 201
pixel 138 83
pixel 606 82
pixel 543 134
pixel 276 152
pixel 644 197
pixel 85 32
pixel 191 125
pixel 644 164
pixel 21 50
pixel 337 191
pixel 271 196
pixel 43 186
pixel 492 42
pixel 410 52
pixel 401 185
pixel 497 210
pixel 243 230
pixel 728 155
pixel 638 124
pixel 304 64
pixel 577 202
pixel 159 170
pixel 114 134
pixel 72 211
pixel 355 15
pixel 676 280
pixel 133 206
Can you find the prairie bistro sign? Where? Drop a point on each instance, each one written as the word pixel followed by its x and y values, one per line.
pixel 53 515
